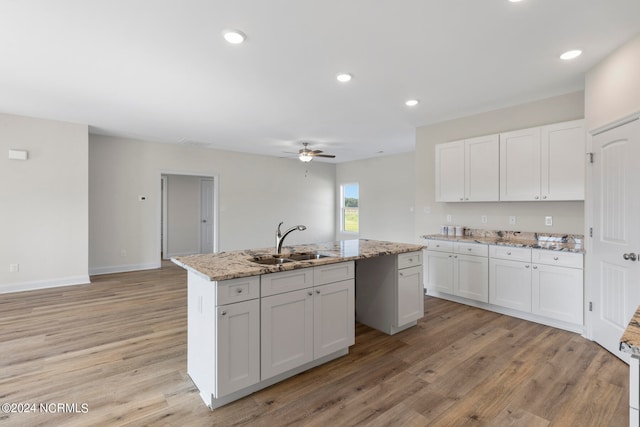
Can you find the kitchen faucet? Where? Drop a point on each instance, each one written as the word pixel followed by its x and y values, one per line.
pixel 280 236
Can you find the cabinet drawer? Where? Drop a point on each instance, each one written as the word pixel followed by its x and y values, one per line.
pixel 236 290
pixel 477 249
pixel 439 245
pixel 561 259
pixel 331 273
pixel 409 259
pixel 509 252
pixel 285 281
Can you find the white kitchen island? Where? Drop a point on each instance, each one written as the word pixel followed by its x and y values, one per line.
pixel 252 324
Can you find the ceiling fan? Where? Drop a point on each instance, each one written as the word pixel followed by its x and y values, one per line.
pixel 306 154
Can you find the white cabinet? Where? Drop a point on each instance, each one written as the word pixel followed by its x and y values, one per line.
pixel 510 284
pixel 468 170
pixel 395 278
pixel 543 163
pixel 300 321
pixel 557 286
pixel 458 268
pixel 223 335
pixel 238 344
pixel 286 331
pixel 333 317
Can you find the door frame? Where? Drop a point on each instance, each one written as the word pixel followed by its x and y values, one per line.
pixel 589 287
pixel 160 206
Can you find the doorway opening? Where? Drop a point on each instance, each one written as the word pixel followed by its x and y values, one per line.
pixel 188 214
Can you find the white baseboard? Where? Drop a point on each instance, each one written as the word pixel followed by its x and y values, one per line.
pixel 123 268
pixel 43 284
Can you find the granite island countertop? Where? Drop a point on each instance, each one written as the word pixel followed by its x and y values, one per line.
pixel 630 340
pixel 235 264
pixel 554 242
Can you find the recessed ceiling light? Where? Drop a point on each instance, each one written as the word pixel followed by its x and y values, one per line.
pixel 571 54
pixel 515 1
pixel 234 36
pixel 344 77
pixel 412 102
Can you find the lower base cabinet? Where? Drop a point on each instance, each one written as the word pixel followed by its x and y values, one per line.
pixel 557 292
pixel 510 284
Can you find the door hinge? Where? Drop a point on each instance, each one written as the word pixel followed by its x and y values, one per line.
pixel 590 306
pixel 590 157
pixel 590 231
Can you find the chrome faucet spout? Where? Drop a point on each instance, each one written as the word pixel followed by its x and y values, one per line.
pixel 280 235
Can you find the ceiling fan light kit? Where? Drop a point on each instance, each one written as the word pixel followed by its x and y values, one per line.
pixel 306 155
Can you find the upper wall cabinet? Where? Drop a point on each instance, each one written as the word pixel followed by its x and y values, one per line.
pixel 543 163
pixel 467 171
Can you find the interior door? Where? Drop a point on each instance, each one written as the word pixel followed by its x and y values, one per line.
pixel 615 269
pixel 206 216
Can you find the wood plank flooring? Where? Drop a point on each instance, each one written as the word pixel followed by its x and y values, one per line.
pixel 119 346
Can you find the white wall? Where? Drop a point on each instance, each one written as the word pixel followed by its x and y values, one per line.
pixel 612 88
pixel 568 217
pixel 387 191
pixel 255 193
pixel 183 215
pixel 43 204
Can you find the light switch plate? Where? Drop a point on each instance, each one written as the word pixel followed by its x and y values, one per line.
pixel 483 218
pixel 512 220
pixel 548 220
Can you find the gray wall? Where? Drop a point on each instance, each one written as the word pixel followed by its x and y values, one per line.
pixel 43 204
pixel 255 193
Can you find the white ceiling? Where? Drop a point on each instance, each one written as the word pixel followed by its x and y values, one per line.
pixel 160 69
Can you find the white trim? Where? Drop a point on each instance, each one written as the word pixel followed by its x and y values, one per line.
pixel 43 284
pixel 163 214
pixel 124 268
pixel 616 123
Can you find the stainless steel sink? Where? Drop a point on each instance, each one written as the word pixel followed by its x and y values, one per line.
pixel 278 260
pixel 274 260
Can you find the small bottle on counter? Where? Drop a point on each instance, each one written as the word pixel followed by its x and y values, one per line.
pixel 444 230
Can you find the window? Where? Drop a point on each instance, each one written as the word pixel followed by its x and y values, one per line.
pixel 350 215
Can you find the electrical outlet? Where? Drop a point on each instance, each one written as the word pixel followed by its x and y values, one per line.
pixel 123 252
pixel 483 218
pixel 427 210
pixel 512 220
pixel 548 220
pixel 449 218
pixel 14 268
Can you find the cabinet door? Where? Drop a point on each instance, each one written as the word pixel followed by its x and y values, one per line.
pixel 558 293
pixel 238 346
pixel 472 277
pixel 333 317
pixel 510 284
pixel 286 331
pixel 482 167
pixel 520 165
pixel 563 161
pixel 450 172
pixel 439 271
pixel 410 296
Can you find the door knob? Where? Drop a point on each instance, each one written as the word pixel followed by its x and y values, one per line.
pixel 630 256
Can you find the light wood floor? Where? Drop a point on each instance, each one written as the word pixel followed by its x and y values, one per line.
pixel 119 346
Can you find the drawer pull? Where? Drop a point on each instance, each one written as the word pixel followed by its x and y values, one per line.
pixel 527 266
pixel 318 291
pixel 469 249
pixel 239 290
pixel 555 258
pixel 223 313
pixel 535 267
pixel 508 253
pixel 410 259
pixel 310 293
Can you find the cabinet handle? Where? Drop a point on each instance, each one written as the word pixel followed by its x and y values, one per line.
pixel 461 199
pixel 223 313
pixel 401 274
pixel 466 198
pixel 239 290
pixel 455 256
pixel 410 259
pixel 509 253
pixel 535 267
pixel 469 249
pixel 450 256
pixel 555 258
pixel 544 197
pixel 527 266
pixel 536 197
pixel 318 291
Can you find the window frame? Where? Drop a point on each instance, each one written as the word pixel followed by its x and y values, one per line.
pixel 343 208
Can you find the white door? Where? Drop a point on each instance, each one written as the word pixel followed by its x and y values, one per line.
pixel 410 296
pixel 206 216
pixel 615 276
pixel 510 284
pixel 473 277
pixel 439 271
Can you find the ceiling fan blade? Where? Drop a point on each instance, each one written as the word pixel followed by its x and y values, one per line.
pixel 329 156
pixel 314 152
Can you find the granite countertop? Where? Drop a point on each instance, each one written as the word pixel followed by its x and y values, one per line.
pixel 630 340
pixel 554 242
pixel 235 264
